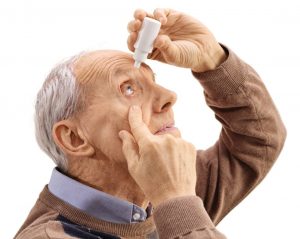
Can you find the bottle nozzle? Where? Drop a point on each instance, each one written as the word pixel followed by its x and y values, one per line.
pixel 137 64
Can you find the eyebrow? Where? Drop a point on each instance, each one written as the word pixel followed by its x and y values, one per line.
pixel 152 74
pixel 128 73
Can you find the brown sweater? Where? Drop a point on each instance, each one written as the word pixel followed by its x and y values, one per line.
pixel 251 139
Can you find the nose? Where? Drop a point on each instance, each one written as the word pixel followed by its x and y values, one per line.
pixel 164 99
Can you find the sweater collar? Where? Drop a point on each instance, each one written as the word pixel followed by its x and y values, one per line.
pixel 94 202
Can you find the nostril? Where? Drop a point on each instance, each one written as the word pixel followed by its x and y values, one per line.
pixel 166 106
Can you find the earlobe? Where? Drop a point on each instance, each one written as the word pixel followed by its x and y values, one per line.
pixel 71 140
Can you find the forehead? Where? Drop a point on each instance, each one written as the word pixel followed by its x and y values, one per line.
pixel 144 72
pixel 103 66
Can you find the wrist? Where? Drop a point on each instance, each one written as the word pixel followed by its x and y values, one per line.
pixel 163 197
pixel 214 59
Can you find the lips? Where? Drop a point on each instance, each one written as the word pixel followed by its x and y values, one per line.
pixel 166 128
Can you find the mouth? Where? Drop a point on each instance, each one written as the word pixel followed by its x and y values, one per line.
pixel 166 128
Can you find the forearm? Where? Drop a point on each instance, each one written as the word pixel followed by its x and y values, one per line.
pixel 251 139
pixel 251 124
pixel 184 217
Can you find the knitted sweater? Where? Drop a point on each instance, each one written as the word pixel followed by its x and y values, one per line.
pixel 250 141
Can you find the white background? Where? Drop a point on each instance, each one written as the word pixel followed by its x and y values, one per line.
pixel 36 34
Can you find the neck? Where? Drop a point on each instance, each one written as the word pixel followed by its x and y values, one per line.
pixel 110 177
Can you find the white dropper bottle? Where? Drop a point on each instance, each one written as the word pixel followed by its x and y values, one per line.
pixel 144 43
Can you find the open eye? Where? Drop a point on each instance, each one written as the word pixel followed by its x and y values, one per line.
pixel 128 89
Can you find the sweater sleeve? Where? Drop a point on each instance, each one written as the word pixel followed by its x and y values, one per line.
pixel 250 141
pixel 184 217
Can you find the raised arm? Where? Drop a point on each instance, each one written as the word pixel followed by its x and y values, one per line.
pixel 251 139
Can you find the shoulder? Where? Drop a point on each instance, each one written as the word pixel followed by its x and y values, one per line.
pixel 49 230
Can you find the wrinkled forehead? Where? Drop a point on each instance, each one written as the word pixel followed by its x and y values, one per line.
pixel 104 65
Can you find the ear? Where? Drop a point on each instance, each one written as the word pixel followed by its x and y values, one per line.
pixel 71 140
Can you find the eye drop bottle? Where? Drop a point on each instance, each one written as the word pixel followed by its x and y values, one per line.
pixel 144 43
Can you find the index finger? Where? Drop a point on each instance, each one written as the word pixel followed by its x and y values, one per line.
pixel 139 129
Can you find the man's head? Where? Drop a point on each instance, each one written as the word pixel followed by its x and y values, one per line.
pixel 84 103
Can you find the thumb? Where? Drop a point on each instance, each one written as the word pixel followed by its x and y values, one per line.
pixel 165 45
pixel 129 148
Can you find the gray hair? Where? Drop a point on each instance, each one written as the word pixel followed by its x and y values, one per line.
pixel 58 99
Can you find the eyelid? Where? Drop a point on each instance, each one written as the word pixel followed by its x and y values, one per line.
pixel 126 81
pixel 129 81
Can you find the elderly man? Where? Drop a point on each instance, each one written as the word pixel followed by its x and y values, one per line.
pixel 122 169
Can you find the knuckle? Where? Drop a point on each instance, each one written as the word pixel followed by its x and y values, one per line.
pixel 170 138
pixel 155 11
pixel 133 25
pixel 170 141
pixel 149 144
pixel 159 11
pixel 136 25
pixel 169 11
pixel 139 13
pixel 189 147
pixel 136 12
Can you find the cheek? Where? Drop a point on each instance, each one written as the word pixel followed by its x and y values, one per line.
pixel 103 129
pixel 109 144
pixel 146 107
pixel 105 136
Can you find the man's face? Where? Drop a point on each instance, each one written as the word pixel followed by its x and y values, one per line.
pixel 113 86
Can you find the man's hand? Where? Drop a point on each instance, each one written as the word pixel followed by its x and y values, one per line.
pixel 163 166
pixel 183 41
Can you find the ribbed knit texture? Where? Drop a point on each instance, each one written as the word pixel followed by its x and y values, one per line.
pixel 225 79
pixel 181 216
